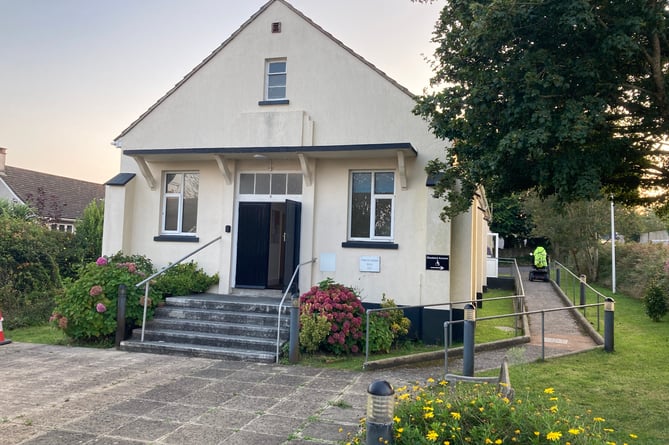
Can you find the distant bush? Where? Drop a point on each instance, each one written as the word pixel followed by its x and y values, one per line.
pixel 184 279
pixel 637 265
pixel 655 301
pixel 29 273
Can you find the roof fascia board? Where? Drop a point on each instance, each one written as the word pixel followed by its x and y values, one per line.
pixel 405 147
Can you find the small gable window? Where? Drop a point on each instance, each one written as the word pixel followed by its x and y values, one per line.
pixel 275 80
pixel 180 197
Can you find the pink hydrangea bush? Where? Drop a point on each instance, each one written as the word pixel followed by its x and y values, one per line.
pixel 86 311
pixel 343 310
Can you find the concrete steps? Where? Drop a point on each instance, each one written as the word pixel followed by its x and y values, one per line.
pixel 232 327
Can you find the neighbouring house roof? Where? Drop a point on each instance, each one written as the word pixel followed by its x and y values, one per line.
pixel 235 34
pixel 66 196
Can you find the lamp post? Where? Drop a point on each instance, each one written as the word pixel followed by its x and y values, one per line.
pixel 613 247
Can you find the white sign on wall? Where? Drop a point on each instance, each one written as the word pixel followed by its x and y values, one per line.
pixel 370 264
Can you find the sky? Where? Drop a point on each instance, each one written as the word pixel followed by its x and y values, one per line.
pixel 75 73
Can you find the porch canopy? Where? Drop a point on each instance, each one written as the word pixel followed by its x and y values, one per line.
pixel 224 155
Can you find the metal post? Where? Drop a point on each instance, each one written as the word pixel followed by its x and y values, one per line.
pixel 120 315
pixel 582 299
pixel 380 408
pixel 294 345
pixel 446 328
pixel 609 306
pixel 613 247
pixel 468 340
pixel 557 275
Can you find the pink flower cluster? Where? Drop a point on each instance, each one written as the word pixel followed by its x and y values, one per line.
pixel 132 267
pixel 100 308
pixel 102 261
pixel 342 307
pixel 60 319
pixel 95 290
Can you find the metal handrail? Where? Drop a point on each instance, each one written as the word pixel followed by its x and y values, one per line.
pixel 402 308
pixel 600 297
pixel 285 294
pixel 147 281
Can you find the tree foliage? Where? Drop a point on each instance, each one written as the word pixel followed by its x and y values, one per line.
pixel 565 97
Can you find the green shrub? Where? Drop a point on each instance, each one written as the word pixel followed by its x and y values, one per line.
pixel 29 273
pixel 478 414
pixel 184 279
pixel 655 302
pixel 87 309
pixel 314 329
pixel 343 310
pixel 386 327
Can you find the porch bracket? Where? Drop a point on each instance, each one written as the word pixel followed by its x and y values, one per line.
pixel 146 171
pixel 224 167
pixel 305 169
pixel 401 167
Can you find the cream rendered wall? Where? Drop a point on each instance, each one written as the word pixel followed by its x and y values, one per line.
pixel 348 102
pixel 335 99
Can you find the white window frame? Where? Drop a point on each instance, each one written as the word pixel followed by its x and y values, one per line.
pixel 180 210
pixel 268 75
pixel 372 215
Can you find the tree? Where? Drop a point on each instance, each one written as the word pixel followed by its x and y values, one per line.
pixel 88 233
pixel 510 220
pixel 564 97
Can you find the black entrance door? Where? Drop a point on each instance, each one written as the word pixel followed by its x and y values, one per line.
pixel 291 257
pixel 253 244
pixel 268 244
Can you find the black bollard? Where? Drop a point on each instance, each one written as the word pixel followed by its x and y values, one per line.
pixel 120 315
pixel 294 341
pixel 609 306
pixel 468 340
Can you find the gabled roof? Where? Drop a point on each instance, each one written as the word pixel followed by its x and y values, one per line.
pixel 235 34
pixel 70 195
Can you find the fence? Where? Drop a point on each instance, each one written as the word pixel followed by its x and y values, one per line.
pixel 579 292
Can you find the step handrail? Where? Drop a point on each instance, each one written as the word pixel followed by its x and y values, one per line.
pixel 285 294
pixel 147 281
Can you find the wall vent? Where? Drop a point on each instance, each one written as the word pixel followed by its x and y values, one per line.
pixel 276 27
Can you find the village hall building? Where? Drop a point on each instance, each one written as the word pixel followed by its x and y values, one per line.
pixel 291 147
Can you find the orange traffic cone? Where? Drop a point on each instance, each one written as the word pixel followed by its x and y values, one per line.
pixel 2 334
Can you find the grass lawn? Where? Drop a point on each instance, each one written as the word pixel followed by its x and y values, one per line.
pixel 45 334
pixel 629 387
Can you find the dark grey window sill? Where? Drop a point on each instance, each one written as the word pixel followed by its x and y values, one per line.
pixel 177 238
pixel 370 245
pixel 274 102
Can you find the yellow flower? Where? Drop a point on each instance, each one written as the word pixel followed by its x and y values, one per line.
pixel 430 380
pixel 599 419
pixel 634 436
pixel 554 435
pixel 432 436
pixel 396 419
pixel 428 415
pixel 537 433
pixel 549 391
pixel 498 442
pixel 574 431
pixel 446 442
pixel 517 432
pixel 488 441
pixel 455 415
pixel 608 430
pixel 400 430
pixel 554 409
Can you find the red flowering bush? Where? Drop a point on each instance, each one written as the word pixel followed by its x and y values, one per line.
pixel 343 310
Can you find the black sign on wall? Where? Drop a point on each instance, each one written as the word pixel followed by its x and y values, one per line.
pixel 436 262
